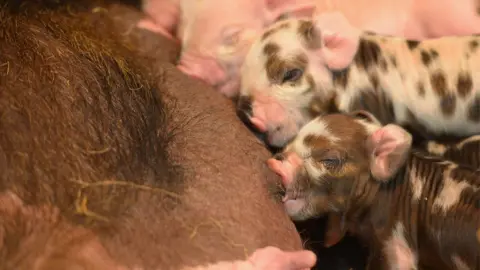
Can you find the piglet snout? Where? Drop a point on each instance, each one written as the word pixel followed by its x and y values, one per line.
pixel 279 156
pixel 245 113
pixel 203 68
pixel 258 124
pixel 285 165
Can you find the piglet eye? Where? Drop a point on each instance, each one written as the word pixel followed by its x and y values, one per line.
pixel 292 75
pixel 232 39
pixel 231 35
pixel 331 162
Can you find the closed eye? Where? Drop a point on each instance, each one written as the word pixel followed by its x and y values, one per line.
pixel 292 75
pixel 331 163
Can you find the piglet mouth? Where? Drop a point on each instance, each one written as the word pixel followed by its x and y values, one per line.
pixel 287 198
pixel 292 195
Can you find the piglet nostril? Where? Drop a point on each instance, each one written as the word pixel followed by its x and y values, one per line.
pixel 279 156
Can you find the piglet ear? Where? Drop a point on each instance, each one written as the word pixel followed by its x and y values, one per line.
pixel 365 115
pixel 339 39
pixel 284 9
pixel 389 147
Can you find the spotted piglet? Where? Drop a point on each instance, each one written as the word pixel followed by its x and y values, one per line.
pixel 303 68
pixel 465 151
pixel 410 208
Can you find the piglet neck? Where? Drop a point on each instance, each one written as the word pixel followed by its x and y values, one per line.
pixel 362 197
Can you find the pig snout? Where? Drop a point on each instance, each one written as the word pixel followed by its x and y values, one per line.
pixel 203 68
pixel 285 165
pixel 266 114
pixel 245 113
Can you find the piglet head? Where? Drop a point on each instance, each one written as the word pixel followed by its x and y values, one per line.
pixel 327 165
pixel 287 73
pixel 290 167
pixel 214 57
pixel 216 36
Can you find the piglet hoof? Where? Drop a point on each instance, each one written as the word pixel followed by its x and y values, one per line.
pixel 274 258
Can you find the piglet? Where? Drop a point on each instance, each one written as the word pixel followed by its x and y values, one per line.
pixel 411 209
pixel 215 35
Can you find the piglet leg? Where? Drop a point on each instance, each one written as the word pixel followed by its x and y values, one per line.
pixel 274 258
pixel 268 258
pixel 335 230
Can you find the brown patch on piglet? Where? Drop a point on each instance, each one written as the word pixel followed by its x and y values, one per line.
pixel 275 29
pixel 322 105
pixel 341 78
pixel 473 45
pixel 271 49
pixel 464 83
pixel 308 35
pixel 421 89
pixel 473 112
pixel 377 103
pixel 439 82
pixel 352 134
pixel 412 44
pixel 276 66
pixel 368 54
pixel 448 104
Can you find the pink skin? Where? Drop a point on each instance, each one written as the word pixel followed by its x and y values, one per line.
pixel 217 33
pixel 265 107
pixel 161 17
pixel 270 115
pixel 206 69
pixel 269 258
pixel 287 169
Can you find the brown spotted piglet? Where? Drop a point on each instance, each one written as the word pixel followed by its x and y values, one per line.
pixel 305 68
pixel 413 210
pixel 465 151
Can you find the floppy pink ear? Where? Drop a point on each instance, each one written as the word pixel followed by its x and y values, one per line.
pixel 389 147
pixel 339 39
pixel 281 9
